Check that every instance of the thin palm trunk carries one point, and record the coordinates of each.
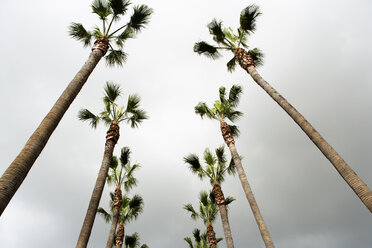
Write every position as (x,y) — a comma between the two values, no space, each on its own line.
(220,200)
(111,139)
(17,171)
(115,218)
(351,178)
(229,140)
(120,235)
(211,236)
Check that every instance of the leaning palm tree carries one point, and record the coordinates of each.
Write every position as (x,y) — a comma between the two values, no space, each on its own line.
(120,174)
(215,169)
(200,239)
(249,60)
(130,209)
(133,241)
(112,116)
(207,213)
(224,108)
(109,12)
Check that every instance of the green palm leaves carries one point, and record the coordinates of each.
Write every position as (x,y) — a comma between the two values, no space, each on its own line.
(111,11)
(207,208)
(112,112)
(215,167)
(226,39)
(200,240)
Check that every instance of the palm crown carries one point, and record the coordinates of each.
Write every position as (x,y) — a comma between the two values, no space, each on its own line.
(215,165)
(113,113)
(226,39)
(224,107)
(200,239)
(110,11)
(122,173)
(133,241)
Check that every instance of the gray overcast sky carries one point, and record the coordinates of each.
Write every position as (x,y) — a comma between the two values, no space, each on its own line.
(318,56)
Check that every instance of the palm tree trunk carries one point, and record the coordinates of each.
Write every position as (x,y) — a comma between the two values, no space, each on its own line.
(351,178)
(229,140)
(115,218)
(220,200)
(17,171)
(120,235)
(211,236)
(111,139)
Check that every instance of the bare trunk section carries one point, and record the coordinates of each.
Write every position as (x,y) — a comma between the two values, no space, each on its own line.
(229,140)
(120,235)
(211,236)
(115,218)
(351,178)
(17,171)
(111,139)
(220,200)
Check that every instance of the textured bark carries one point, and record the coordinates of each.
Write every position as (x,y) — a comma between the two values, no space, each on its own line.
(211,236)
(115,218)
(99,186)
(120,235)
(351,178)
(220,200)
(17,171)
(226,133)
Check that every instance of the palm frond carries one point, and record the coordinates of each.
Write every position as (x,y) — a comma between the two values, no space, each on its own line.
(125,155)
(106,216)
(210,51)
(144,246)
(140,17)
(130,183)
(189,242)
(222,91)
(137,117)
(233,115)
(203,110)
(234,95)
(133,103)
(131,241)
(97,32)
(101,8)
(229,200)
(112,93)
(190,209)
(231,65)
(194,164)
(128,33)
(234,130)
(215,29)
(209,158)
(219,239)
(231,169)
(220,152)
(78,32)
(257,56)
(119,7)
(86,115)
(248,18)
(116,57)
(196,234)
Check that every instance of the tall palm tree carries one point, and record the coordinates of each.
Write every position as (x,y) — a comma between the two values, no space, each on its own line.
(105,38)
(207,213)
(200,239)
(120,174)
(224,108)
(215,169)
(133,241)
(130,209)
(249,60)
(112,115)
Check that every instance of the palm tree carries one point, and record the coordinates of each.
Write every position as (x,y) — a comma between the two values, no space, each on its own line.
(112,115)
(225,108)
(120,175)
(207,213)
(105,38)
(132,241)
(200,239)
(215,169)
(249,60)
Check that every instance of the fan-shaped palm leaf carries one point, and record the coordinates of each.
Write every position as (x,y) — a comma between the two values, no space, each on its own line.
(78,32)
(140,17)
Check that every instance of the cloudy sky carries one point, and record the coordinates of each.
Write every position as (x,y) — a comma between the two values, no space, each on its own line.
(318,56)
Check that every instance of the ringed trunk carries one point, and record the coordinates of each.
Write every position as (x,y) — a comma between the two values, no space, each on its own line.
(211,236)
(17,171)
(229,140)
(115,218)
(111,139)
(348,174)
(220,200)
(120,235)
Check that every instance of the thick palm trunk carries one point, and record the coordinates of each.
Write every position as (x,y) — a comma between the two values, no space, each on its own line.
(120,235)
(17,171)
(229,140)
(115,218)
(111,139)
(220,200)
(211,236)
(359,187)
